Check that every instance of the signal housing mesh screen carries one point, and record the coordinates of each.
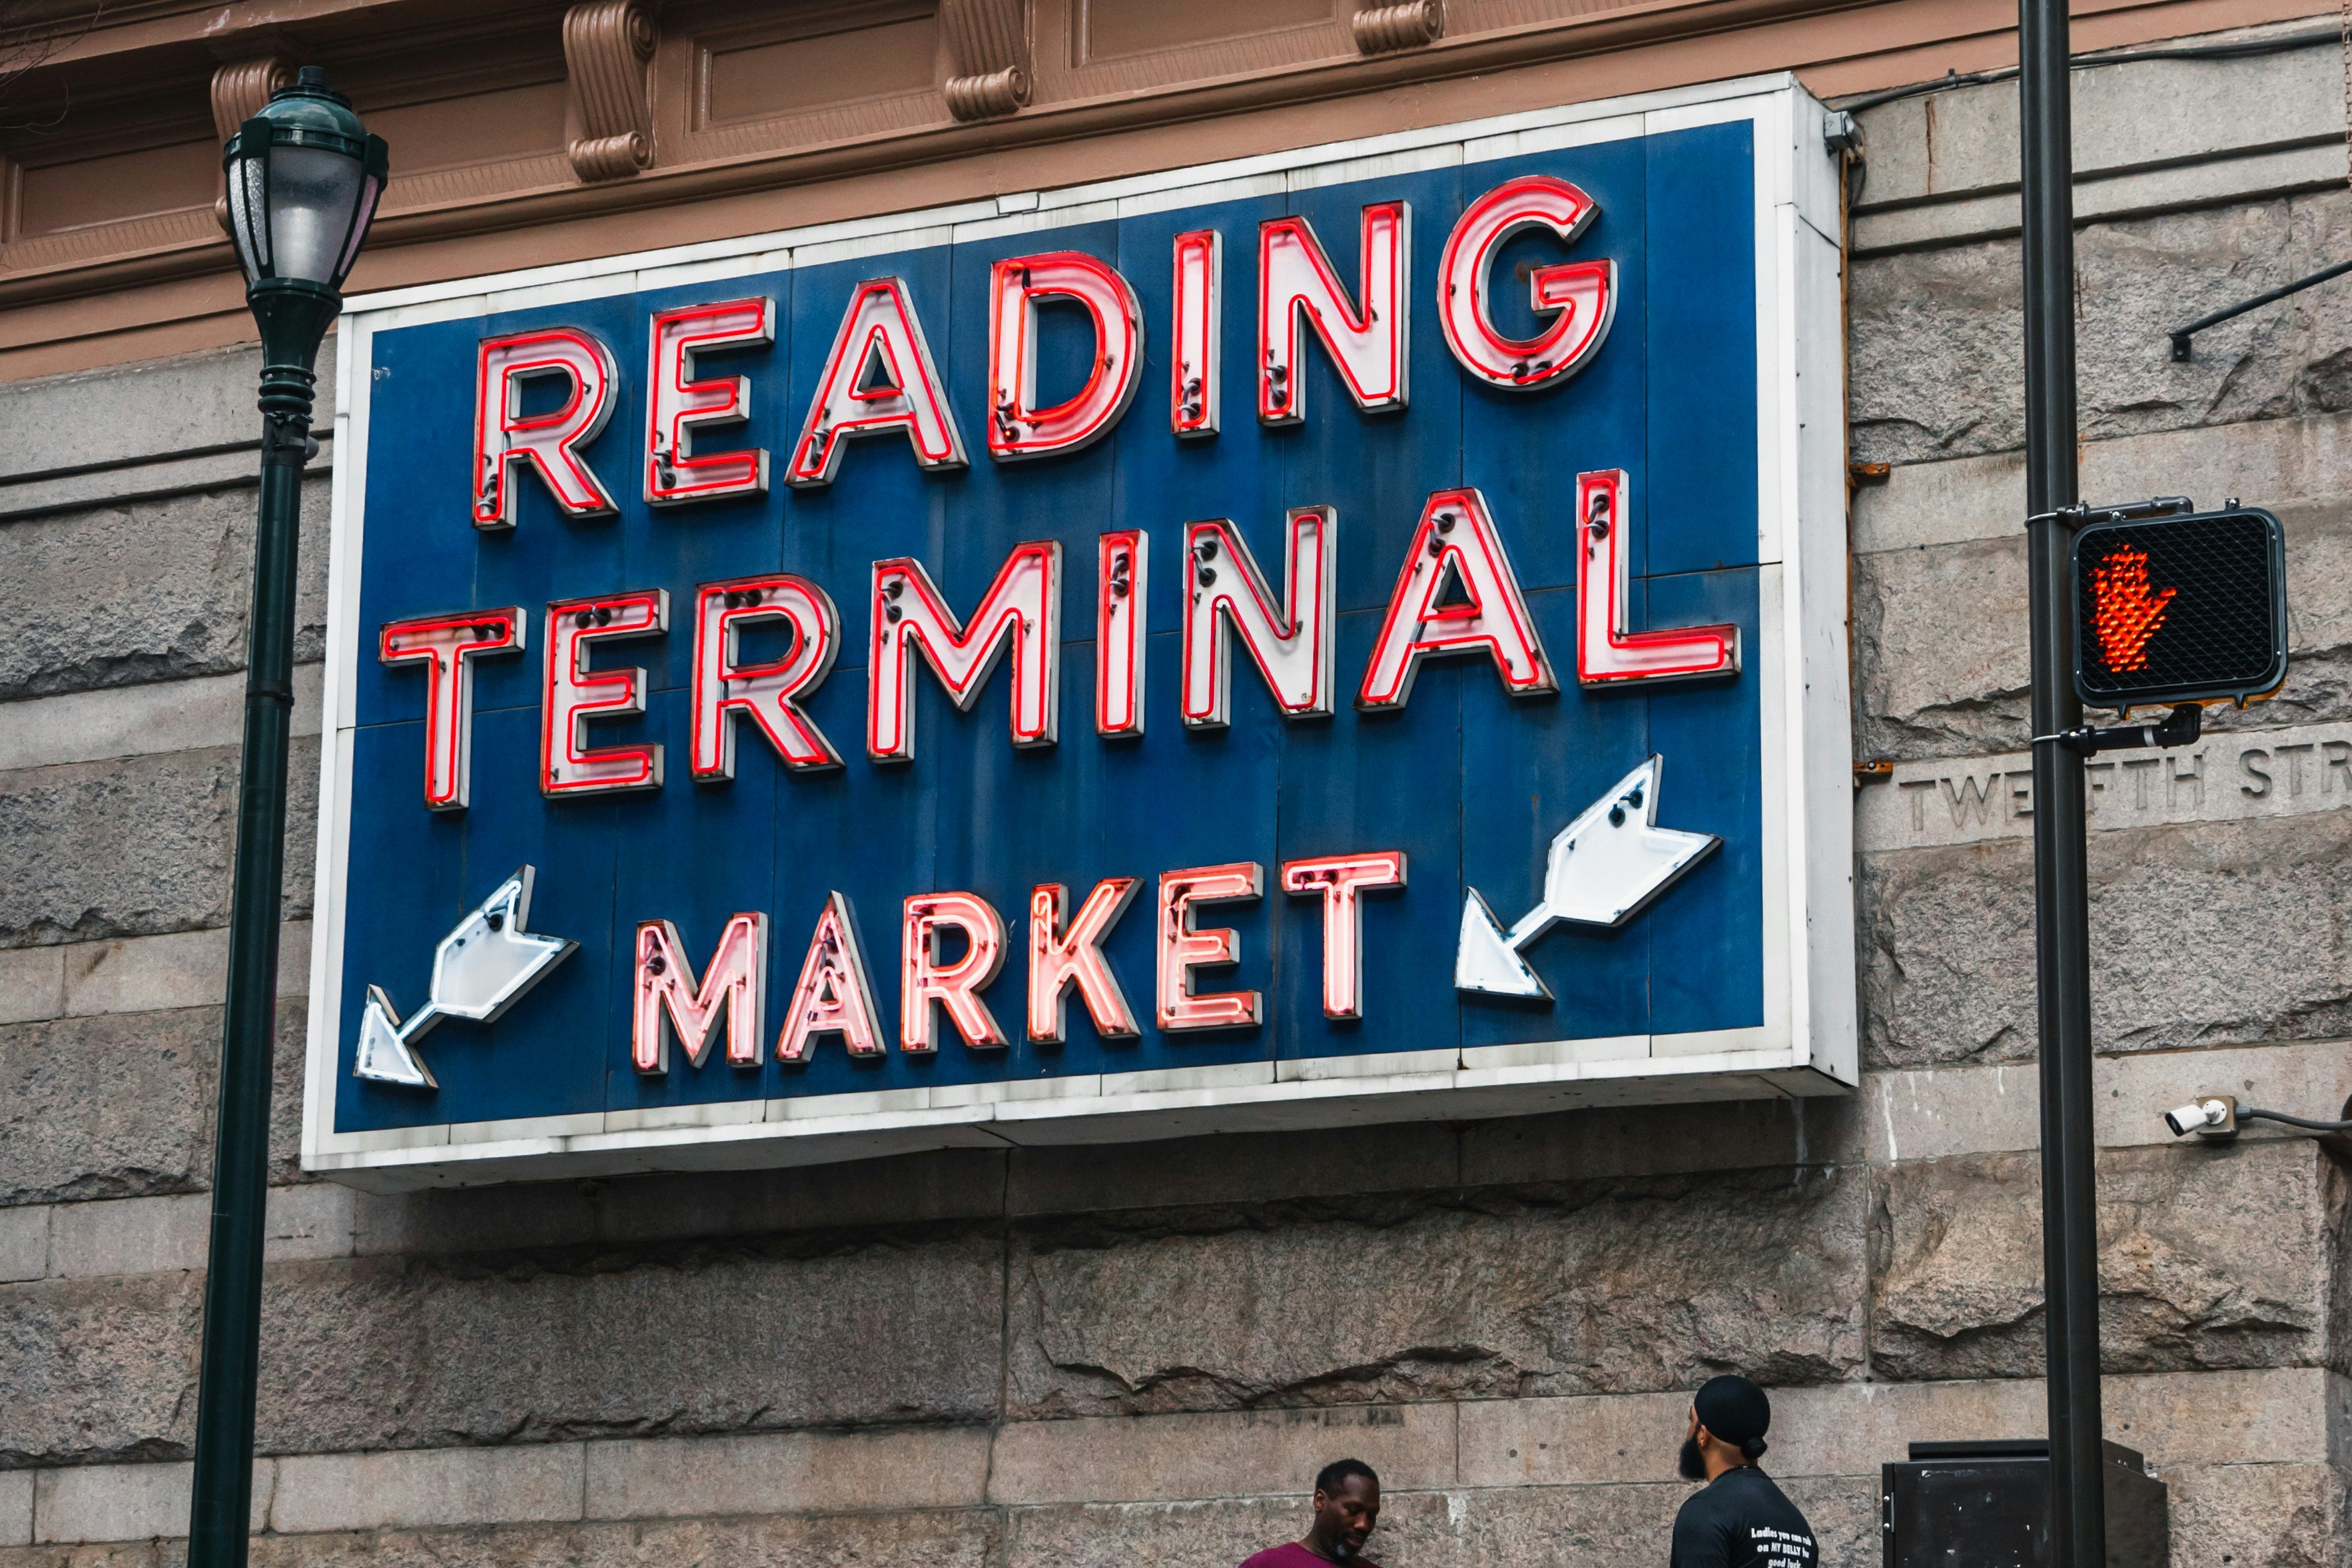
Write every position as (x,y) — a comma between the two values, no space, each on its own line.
(2173,608)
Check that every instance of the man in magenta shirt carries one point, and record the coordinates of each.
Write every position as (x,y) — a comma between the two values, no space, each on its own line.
(1346,1507)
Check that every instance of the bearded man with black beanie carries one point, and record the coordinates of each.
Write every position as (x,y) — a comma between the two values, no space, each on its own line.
(1741,1520)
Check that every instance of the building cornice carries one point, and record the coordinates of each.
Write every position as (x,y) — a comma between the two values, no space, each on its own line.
(628,149)
(1631,26)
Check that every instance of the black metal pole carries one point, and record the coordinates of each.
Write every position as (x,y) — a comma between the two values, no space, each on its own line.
(2069,1241)
(222,1497)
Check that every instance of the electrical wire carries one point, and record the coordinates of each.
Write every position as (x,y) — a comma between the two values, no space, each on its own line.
(2344,26)
(2117,56)
(2246,1113)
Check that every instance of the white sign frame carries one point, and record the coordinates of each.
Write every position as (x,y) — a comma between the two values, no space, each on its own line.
(1808,1044)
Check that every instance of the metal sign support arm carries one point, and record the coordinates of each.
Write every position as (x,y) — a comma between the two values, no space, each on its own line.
(2182,336)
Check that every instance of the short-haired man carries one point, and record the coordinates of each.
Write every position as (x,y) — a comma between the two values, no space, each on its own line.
(1346,1507)
(1741,1520)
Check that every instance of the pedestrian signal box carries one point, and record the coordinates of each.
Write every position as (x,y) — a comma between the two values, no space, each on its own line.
(2179,610)
(1987,1505)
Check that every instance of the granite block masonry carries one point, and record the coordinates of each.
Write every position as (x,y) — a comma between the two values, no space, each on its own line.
(1072,1357)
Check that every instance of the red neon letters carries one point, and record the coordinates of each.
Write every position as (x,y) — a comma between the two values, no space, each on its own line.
(925,976)
(878,378)
(574,695)
(1291,647)
(1017,427)
(1456,543)
(1581,296)
(835,995)
(666,999)
(1022,609)
(1457,593)
(766,694)
(676,404)
(1608,652)
(1183,947)
(447,645)
(1340,880)
(1368,344)
(1061,957)
(1123,574)
(547,443)
(1193,370)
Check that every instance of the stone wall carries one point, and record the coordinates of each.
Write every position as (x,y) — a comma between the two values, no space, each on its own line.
(1067,1359)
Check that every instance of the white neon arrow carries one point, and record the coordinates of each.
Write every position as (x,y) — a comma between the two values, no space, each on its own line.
(1603,869)
(479,970)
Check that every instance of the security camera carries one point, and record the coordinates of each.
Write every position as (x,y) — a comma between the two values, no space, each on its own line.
(2209,1116)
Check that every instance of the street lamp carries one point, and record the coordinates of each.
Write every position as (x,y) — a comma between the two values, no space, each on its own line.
(304,177)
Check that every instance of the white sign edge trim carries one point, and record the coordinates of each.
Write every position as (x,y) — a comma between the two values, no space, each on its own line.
(849,238)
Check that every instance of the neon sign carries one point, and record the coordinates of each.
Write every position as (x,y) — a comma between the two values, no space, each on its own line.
(1198,752)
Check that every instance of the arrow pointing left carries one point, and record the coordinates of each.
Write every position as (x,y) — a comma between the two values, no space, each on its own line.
(1603,869)
(479,970)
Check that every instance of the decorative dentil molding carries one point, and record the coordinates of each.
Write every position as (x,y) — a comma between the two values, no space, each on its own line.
(606,44)
(989,41)
(1382,28)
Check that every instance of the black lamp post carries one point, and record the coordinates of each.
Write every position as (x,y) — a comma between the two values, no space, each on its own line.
(304,177)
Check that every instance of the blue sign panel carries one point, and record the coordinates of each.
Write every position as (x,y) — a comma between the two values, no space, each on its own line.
(1347,635)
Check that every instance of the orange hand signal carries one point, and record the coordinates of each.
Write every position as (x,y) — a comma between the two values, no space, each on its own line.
(2125,614)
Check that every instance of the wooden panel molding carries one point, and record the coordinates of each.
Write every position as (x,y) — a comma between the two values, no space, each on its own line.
(805,63)
(140,178)
(745,79)
(606,44)
(1106,30)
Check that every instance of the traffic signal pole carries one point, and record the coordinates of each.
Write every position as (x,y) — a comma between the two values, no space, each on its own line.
(2070,1240)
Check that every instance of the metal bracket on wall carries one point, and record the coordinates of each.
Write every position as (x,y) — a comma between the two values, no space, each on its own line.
(2180,335)
(2082,512)
(2182,727)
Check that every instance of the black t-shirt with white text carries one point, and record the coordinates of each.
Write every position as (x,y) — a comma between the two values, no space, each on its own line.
(1741,1520)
